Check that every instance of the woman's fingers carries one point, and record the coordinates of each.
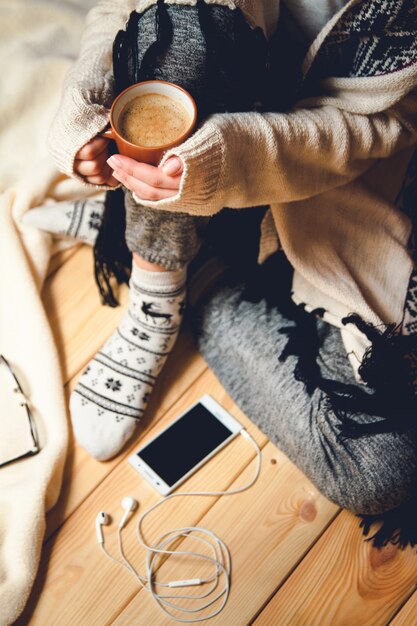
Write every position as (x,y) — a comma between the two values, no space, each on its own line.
(112,182)
(102,175)
(102,180)
(96,172)
(142,189)
(91,163)
(93,167)
(173,166)
(92,149)
(150,175)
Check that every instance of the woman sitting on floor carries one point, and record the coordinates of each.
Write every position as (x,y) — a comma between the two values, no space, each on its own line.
(312,327)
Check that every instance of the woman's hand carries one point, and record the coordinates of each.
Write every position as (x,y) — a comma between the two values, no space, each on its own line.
(147,181)
(91,163)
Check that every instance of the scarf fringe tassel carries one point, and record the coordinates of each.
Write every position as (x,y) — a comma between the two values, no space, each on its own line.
(397,527)
(112,257)
(388,367)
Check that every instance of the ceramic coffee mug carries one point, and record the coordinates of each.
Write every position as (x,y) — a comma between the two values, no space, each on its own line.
(149,154)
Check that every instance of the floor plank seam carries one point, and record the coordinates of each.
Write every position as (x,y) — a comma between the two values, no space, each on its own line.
(75,250)
(294,567)
(402,606)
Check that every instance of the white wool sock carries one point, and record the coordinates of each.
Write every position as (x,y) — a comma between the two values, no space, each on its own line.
(112,393)
(78,219)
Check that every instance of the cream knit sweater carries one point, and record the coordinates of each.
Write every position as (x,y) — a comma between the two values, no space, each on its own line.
(322,167)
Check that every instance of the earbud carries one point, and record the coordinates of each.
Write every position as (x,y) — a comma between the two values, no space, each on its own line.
(129,504)
(102,518)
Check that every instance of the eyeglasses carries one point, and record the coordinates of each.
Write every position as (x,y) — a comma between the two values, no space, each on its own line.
(20,437)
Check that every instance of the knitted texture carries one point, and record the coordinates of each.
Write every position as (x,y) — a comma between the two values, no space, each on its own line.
(378,38)
(113,391)
(88,87)
(368,475)
(308,163)
(37,44)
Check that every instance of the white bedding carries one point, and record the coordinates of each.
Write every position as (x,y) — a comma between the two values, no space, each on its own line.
(39,39)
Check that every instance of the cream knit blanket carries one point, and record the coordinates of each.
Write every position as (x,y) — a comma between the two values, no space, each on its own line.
(38,43)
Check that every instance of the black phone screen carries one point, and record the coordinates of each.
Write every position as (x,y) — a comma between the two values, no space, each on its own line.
(184,444)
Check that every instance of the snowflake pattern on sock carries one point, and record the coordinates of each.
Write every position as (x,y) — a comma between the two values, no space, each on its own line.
(115,387)
(77,219)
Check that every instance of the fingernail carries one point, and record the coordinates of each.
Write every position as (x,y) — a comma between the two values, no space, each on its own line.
(172,166)
(114,161)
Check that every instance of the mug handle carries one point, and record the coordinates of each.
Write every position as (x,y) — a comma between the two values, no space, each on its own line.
(108,134)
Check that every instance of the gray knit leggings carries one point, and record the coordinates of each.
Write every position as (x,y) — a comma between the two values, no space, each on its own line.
(159,236)
(241,340)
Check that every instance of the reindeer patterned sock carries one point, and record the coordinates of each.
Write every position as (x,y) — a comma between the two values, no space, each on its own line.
(75,219)
(111,395)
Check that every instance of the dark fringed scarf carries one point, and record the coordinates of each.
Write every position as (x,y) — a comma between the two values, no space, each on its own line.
(236,63)
(112,257)
(389,368)
(126,55)
(398,526)
(236,76)
(148,67)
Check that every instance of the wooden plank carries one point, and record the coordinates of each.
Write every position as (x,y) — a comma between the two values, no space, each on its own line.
(407,616)
(76,584)
(82,473)
(59,258)
(268,529)
(79,322)
(344,580)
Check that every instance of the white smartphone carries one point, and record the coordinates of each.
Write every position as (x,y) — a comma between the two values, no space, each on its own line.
(185,445)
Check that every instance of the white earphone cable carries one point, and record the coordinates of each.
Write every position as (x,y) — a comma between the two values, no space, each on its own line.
(220,558)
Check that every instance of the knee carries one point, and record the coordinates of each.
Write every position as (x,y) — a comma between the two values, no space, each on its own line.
(172,47)
(378,494)
(380,479)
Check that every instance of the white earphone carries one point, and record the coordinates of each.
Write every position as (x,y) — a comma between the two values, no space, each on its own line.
(129,504)
(219,556)
(102,518)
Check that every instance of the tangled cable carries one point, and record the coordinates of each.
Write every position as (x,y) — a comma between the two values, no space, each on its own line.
(219,559)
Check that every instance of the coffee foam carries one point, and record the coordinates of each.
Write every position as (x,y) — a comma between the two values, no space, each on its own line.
(153,120)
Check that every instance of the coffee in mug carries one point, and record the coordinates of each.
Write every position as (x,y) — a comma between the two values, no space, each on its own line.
(156,114)
(153,119)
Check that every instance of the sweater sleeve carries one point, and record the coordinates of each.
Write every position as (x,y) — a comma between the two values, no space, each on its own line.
(88,89)
(251,159)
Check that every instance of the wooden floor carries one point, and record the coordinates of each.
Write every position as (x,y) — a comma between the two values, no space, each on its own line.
(296,558)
